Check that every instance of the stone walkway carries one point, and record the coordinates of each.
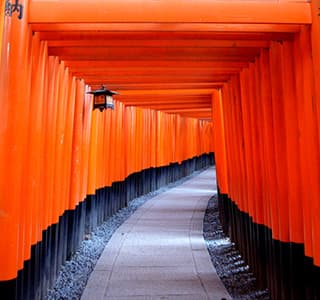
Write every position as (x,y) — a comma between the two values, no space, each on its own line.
(159,252)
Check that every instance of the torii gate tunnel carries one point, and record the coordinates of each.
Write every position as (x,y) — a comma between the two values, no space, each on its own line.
(237,78)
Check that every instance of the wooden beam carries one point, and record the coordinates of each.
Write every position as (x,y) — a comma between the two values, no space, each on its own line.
(163,97)
(193,110)
(164,92)
(169,78)
(170,106)
(156,72)
(173,11)
(196,43)
(169,99)
(100,35)
(156,53)
(163,27)
(112,64)
(197,115)
(151,86)
(156,80)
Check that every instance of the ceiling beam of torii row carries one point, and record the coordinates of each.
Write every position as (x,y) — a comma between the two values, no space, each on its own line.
(169,11)
(164,54)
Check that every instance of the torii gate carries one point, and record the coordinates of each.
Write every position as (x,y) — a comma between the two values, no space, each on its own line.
(247,69)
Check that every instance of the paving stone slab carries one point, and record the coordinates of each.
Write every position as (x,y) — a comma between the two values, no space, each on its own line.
(153,287)
(160,273)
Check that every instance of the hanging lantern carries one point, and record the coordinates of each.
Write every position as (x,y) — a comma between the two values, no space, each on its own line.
(102,98)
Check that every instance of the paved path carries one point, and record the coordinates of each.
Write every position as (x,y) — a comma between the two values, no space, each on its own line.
(159,252)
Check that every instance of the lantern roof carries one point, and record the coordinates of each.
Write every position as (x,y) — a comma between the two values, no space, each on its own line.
(103,91)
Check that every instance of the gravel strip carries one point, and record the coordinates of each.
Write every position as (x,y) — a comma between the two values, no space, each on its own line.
(75,273)
(232,270)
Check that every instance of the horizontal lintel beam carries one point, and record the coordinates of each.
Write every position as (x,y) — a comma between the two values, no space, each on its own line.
(193,110)
(169,92)
(152,72)
(212,28)
(173,11)
(266,33)
(94,53)
(169,106)
(196,43)
(152,86)
(91,64)
(164,80)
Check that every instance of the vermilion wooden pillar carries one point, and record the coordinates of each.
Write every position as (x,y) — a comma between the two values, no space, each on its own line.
(315,50)
(291,119)
(247,133)
(271,218)
(13,138)
(257,126)
(308,136)
(231,139)
(219,141)
(257,159)
(311,147)
(280,142)
(228,138)
(75,189)
(315,42)
(242,161)
(34,181)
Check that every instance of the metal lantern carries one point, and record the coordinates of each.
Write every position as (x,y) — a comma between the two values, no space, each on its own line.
(102,98)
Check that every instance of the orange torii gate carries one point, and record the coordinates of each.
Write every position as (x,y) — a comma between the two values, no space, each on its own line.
(250,67)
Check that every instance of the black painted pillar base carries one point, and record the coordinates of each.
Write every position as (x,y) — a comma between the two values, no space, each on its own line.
(60,241)
(281,267)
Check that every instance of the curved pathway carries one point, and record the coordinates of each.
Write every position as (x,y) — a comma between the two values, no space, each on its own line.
(159,252)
